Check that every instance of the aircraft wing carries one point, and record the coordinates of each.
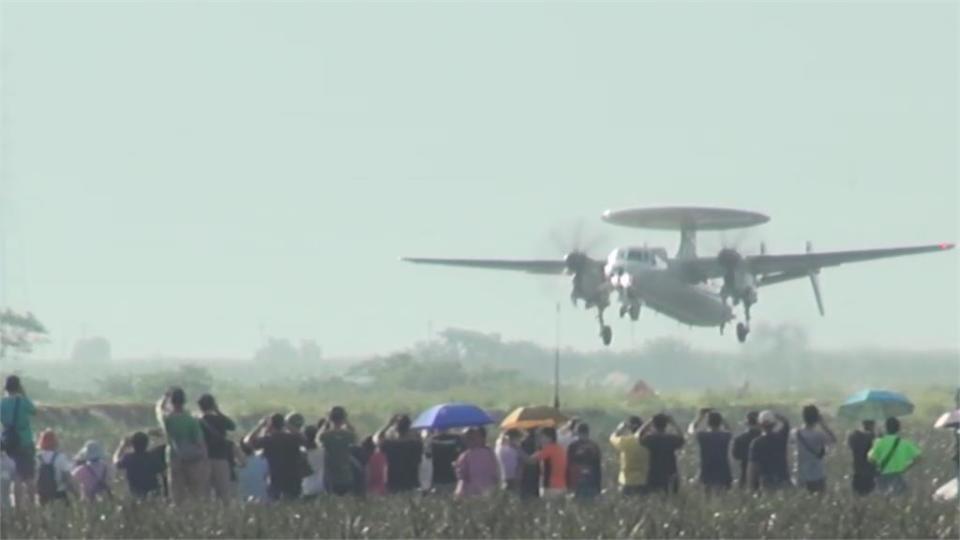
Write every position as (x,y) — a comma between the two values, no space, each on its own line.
(531,266)
(800,264)
(811,262)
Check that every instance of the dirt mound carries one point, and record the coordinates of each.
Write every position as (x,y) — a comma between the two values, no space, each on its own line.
(126,414)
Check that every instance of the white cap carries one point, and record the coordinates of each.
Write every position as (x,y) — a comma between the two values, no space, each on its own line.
(767,417)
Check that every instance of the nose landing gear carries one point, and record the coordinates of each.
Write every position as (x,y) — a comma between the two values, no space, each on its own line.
(632,308)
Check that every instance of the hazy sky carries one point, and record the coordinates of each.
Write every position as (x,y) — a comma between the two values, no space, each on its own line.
(182,177)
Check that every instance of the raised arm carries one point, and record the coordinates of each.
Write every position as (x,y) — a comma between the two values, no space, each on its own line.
(381,434)
(645,428)
(673,422)
(829,432)
(121,450)
(250,439)
(695,423)
(160,409)
(617,434)
(228,423)
(784,423)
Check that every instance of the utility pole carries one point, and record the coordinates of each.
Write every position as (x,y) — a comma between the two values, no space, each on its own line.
(556,363)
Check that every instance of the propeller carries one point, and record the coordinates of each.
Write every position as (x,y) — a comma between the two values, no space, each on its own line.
(572,239)
(730,260)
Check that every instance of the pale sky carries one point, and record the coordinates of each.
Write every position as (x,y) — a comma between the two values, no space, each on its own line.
(183,177)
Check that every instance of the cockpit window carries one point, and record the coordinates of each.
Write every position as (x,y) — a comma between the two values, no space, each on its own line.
(637,255)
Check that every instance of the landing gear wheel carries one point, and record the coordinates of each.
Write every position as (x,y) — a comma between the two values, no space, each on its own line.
(635,312)
(742,332)
(606,334)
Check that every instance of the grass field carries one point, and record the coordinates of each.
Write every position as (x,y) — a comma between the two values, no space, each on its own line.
(690,514)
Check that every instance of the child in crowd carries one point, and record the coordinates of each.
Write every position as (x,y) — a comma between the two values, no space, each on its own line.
(92,473)
(53,469)
(376,468)
(252,476)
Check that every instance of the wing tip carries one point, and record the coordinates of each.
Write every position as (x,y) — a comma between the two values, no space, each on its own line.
(946,245)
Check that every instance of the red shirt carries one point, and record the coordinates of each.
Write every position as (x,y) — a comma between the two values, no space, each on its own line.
(377,474)
(553,464)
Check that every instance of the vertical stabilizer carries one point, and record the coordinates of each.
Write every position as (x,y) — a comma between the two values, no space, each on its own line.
(688,243)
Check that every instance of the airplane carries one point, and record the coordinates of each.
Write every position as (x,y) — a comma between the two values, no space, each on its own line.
(681,287)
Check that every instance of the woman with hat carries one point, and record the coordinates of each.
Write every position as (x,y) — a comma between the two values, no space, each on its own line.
(91,472)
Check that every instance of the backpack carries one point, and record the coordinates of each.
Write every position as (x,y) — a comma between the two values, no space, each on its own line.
(101,486)
(803,442)
(47,485)
(10,438)
(189,451)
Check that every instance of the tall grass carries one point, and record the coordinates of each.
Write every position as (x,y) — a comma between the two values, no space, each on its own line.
(690,514)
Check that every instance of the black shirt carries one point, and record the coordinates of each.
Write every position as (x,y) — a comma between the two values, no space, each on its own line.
(783,441)
(860,443)
(741,451)
(215,428)
(403,463)
(663,458)
(583,465)
(529,472)
(767,452)
(444,450)
(281,449)
(143,471)
(714,465)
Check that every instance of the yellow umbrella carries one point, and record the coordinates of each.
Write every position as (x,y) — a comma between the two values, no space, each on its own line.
(533,417)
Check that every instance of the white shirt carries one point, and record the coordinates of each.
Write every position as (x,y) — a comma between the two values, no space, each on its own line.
(8,467)
(62,466)
(252,479)
(313,484)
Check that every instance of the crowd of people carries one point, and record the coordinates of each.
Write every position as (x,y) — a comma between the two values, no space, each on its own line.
(197,456)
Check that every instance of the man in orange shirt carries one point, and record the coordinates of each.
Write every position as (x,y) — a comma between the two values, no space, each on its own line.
(553,465)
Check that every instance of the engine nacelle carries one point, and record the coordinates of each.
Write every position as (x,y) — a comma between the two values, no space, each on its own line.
(589,282)
(738,283)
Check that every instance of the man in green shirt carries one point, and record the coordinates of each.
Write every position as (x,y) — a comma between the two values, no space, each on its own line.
(16,410)
(337,438)
(893,455)
(186,448)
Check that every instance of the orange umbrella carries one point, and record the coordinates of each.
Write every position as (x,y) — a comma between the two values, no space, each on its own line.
(533,417)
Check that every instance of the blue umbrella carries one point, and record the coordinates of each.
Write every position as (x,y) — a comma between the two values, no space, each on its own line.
(452,415)
(875,405)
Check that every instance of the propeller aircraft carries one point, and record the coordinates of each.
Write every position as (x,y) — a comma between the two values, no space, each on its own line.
(681,287)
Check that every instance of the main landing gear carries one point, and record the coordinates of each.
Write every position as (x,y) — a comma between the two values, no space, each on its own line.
(743,329)
(606,333)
